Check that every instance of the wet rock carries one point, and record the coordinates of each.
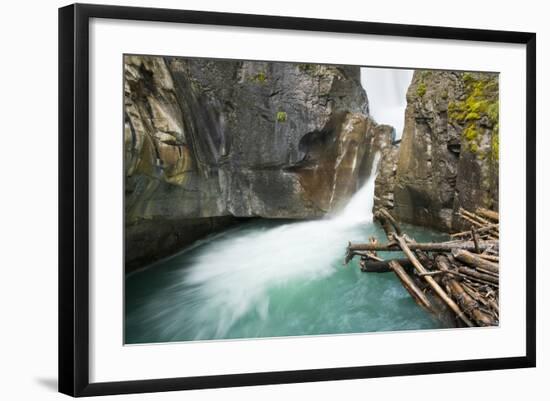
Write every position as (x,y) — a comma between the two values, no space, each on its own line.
(385,180)
(448,156)
(207,139)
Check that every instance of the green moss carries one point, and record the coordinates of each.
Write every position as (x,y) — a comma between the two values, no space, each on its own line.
(308,68)
(425,74)
(481,101)
(421,89)
(467,77)
(281,116)
(470,132)
(260,77)
(492,112)
(472,116)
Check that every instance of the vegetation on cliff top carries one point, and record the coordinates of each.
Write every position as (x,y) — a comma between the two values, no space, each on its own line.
(478,111)
(421,89)
(308,68)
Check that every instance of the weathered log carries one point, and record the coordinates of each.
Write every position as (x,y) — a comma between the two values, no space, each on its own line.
(490,258)
(423,258)
(379,265)
(495,275)
(349,254)
(384,266)
(478,297)
(468,304)
(415,292)
(489,304)
(368,255)
(475,274)
(439,307)
(426,246)
(391,219)
(470,279)
(470,220)
(475,294)
(477,221)
(474,260)
(372,254)
(430,280)
(480,230)
(388,228)
(489,214)
(435,273)
(474,216)
(491,232)
(491,251)
(475,239)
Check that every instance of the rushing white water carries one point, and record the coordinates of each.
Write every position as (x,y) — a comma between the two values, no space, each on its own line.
(231,281)
(263,279)
(268,279)
(387,89)
(359,208)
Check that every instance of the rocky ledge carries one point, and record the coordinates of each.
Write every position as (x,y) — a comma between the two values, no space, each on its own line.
(211,141)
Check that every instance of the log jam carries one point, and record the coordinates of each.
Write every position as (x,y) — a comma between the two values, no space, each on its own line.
(460,276)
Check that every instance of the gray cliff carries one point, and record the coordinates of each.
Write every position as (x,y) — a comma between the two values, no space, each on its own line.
(448,156)
(211,141)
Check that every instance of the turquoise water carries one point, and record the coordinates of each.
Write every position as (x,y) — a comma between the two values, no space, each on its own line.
(268,279)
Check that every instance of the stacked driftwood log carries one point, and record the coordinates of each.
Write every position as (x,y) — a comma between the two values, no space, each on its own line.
(456,280)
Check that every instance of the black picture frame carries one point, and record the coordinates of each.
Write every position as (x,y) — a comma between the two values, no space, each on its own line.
(74,198)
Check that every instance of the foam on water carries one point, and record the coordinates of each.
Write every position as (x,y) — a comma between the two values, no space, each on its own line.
(249,281)
(236,274)
(268,279)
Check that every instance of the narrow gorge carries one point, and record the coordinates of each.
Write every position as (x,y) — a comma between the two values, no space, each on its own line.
(245,181)
(210,142)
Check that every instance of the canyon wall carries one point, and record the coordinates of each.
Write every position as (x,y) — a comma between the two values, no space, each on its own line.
(448,156)
(211,141)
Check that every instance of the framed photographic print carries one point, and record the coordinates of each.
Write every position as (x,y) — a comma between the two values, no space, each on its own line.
(249,199)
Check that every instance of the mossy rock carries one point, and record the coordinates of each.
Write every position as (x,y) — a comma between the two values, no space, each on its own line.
(421,89)
(425,74)
(470,133)
(309,68)
(281,116)
(260,77)
(481,101)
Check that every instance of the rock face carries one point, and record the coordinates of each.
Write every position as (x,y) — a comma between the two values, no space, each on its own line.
(209,141)
(448,156)
(385,179)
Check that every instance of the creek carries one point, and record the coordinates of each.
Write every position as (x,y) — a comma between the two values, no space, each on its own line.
(269,278)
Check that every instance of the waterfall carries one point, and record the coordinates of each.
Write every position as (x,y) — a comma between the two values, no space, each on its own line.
(235,275)
(268,278)
(387,89)
(359,207)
